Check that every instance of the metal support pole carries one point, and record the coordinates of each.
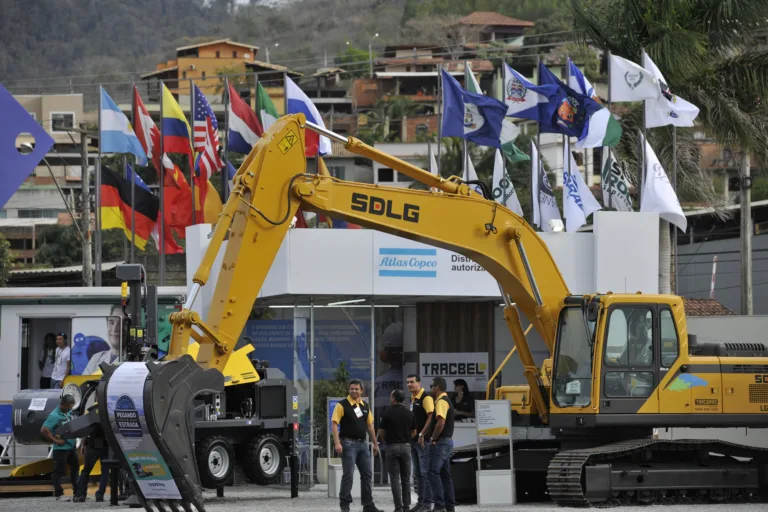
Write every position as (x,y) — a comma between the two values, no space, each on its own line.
(98,200)
(439,120)
(746,235)
(133,209)
(672,227)
(192,169)
(641,168)
(133,188)
(225,171)
(85,218)
(311,391)
(161,228)
(609,175)
(371,391)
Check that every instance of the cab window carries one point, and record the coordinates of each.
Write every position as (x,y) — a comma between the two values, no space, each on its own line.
(670,343)
(629,341)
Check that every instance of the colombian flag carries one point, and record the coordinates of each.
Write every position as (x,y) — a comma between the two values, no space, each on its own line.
(175,129)
(116,207)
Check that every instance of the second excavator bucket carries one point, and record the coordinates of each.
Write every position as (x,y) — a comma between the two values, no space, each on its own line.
(144,410)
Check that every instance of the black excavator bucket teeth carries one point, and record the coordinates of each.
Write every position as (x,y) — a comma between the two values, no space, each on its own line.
(158,434)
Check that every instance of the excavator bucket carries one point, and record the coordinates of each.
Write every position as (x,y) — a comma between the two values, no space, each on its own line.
(144,409)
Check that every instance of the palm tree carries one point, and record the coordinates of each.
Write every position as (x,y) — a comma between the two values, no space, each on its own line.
(705,50)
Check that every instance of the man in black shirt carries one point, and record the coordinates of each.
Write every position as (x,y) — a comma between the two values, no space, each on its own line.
(398,427)
(94,448)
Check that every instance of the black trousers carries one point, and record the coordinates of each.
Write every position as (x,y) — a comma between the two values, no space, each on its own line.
(45,383)
(62,459)
(92,455)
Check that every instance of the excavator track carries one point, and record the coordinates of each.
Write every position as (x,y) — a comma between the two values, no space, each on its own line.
(648,471)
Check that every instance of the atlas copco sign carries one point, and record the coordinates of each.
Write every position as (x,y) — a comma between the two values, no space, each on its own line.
(407,262)
(470,366)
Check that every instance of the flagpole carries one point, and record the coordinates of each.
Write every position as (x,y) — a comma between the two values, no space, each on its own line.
(641,170)
(192,169)
(672,227)
(133,185)
(608,160)
(161,220)
(225,171)
(464,146)
(125,239)
(439,122)
(567,138)
(98,198)
(538,148)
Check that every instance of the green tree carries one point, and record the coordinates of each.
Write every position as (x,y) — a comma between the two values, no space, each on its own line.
(6,260)
(59,246)
(354,61)
(707,53)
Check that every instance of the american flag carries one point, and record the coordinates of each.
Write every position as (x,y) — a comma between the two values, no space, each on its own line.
(206,136)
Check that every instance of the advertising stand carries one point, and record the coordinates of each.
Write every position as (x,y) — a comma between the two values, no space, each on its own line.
(494,421)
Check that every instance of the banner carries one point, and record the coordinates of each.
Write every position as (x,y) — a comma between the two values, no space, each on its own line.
(470,366)
(493,419)
(614,183)
(95,340)
(125,407)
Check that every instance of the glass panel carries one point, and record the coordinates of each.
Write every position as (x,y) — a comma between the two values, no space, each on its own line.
(573,369)
(388,326)
(629,384)
(669,341)
(629,338)
(61,122)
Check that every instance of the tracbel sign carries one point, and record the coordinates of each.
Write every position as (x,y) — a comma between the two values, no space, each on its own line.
(470,366)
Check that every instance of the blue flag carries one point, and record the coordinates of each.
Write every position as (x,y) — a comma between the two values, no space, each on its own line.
(117,135)
(231,171)
(15,166)
(131,175)
(573,109)
(527,101)
(471,116)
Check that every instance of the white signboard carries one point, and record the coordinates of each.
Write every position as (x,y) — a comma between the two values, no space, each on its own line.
(125,405)
(493,419)
(470,366)
(403,267)
(37,404)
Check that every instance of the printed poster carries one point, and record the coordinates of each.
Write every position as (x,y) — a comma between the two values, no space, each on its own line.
(125,406)
(95,340)
(493,418)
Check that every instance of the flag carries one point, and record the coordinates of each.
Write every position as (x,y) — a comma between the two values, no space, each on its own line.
(15,166)
(527,101)
(244,126)
(131,175)
(615,184)
(177,202)
(579,83)
(298,102)
(206,136)
(231,171)
(509,132)
(471,175)
(503,189)
(147,132)
(544,204)
(266,109)
(578,201)
(432,161)
(208,204)
(470,116)
(658,194)
(580,116)
(630,82)
(116,207)
(116,132)
(170,207)
(176,131)
(470,82)
(667,109)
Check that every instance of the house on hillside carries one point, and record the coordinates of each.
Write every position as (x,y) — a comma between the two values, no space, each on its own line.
(488,27)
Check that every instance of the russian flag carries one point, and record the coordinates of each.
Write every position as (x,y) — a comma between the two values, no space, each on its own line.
(299,103)
(244,127)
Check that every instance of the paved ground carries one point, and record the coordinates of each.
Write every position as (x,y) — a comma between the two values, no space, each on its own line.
(259,499)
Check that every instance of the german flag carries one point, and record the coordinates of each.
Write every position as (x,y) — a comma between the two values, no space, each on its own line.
(116,207)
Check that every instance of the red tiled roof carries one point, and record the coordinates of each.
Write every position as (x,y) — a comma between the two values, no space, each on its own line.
(450,65)
(493,18)
(705,307)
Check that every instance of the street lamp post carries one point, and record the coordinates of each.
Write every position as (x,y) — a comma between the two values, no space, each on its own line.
(370,54)
(267,49)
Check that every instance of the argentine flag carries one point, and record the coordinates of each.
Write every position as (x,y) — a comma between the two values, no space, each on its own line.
(116,133)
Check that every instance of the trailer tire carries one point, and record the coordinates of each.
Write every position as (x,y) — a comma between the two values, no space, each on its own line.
(215,461)
(264,459)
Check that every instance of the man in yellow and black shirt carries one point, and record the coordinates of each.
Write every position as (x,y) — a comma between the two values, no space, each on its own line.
(441,440)
(423,407)
(352,419)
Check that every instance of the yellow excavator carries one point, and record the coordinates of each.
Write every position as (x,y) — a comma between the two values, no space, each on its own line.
(619,366)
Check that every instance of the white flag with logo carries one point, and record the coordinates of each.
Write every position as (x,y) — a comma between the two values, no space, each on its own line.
(578,201)
(667,109)
(615,184)
(432,165)
(630,82)
(471,175)
(503,189)
(658,194)
(544,204)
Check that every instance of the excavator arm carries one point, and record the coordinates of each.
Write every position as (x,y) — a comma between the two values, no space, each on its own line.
(272,184)
(268,189)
